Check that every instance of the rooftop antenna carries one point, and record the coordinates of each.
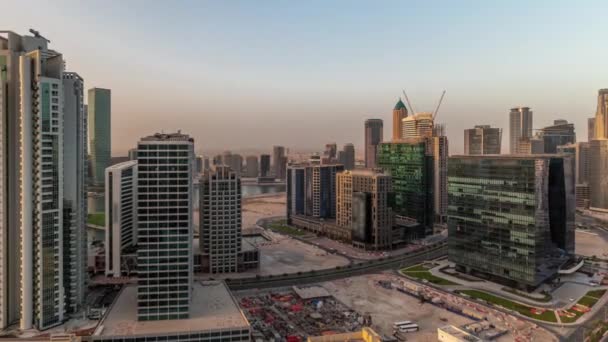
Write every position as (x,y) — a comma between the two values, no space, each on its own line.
(438,105)
(38,35)
(409,103)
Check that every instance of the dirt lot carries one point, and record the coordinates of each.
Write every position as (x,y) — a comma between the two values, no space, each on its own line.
(388,306)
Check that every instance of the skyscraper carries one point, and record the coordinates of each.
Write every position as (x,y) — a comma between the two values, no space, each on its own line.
(164,255)
(100,132)
(399,113)
(598,173)
(511,216)
(560,133)
(41,217)
(331,152)
(264,165)
(520,126)
(362,206)
(374,132)
(220,220)
(601,115)
(75,191)
(121,213)
(279,161)
(590,129)
(318,195)
(534,145)
(253,168)
(410,164)
(348,159)
(440,151)
(482,139)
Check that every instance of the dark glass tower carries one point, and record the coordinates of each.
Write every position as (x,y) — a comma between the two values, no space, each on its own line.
(511,217)
(411,168)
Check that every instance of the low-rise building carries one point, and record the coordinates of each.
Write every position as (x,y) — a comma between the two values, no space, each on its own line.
(214,316)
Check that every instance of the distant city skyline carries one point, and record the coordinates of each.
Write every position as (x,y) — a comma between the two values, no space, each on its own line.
(293,78)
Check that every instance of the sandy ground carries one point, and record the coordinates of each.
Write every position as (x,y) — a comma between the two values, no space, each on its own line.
(255,208)
(592,242)
(389,306)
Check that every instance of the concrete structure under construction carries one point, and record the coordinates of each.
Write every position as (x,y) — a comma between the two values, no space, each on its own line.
(419,125)
(120,213)
(511,217)
(215,316)
(362,205)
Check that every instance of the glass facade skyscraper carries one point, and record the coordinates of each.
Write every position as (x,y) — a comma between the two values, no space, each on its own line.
(164,221)
(100,133)
(410,164)
(511,217)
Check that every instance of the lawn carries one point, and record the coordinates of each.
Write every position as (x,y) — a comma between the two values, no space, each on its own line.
(546,297)
(282,227)
(548,315)
(422,273)
(98,219)
(587,300)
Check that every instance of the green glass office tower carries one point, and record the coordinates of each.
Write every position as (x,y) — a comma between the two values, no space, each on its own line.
(511,217)
(411,168)
(100,133)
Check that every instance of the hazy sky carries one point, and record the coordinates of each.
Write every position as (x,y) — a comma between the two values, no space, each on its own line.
(252,74)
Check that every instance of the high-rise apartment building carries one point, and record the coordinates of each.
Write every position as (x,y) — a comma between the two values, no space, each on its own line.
(419,125)
(331,152)
(560,133)
(374,132)
(362,206)
(264,165)
(164,226)
(279,160)
(399,113)
(590,129)
(535,145)
(511,216)
(100,132)
(220,220)
(440,151)
(199,165)
(318,195)
(253,168)
(237,164)
(348,157)
(132,154)
(482,139)
(121,214)
(42,120)
(75,191)
(601,115)
(520,126)
(410,164)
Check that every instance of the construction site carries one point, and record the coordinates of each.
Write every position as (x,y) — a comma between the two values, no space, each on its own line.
(294,314)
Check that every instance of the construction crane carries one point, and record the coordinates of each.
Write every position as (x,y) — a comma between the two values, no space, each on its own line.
(438,105)
(409,103)
(38,35)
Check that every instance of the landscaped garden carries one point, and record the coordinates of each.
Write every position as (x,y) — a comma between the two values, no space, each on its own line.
(536,313)
(422,272)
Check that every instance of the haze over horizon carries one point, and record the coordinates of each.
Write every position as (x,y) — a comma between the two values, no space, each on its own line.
(238,75)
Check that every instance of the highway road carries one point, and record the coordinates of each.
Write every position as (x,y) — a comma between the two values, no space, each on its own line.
(415,257)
